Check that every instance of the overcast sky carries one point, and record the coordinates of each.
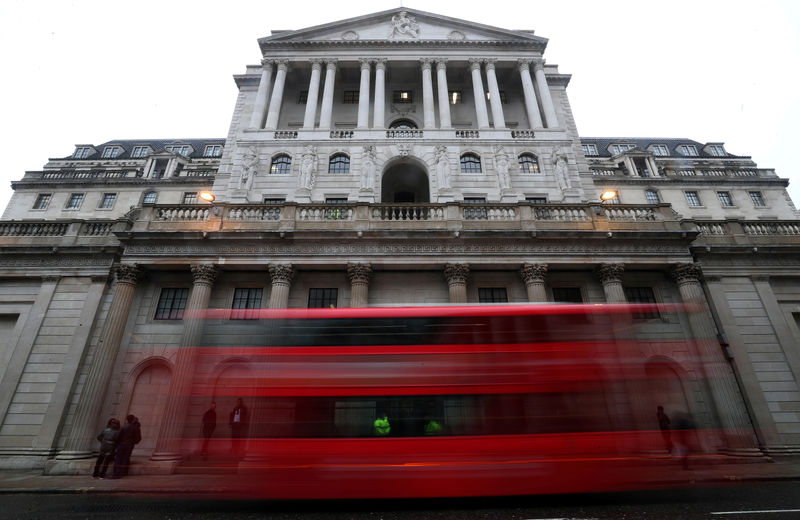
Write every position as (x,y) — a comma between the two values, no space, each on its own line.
(91,71)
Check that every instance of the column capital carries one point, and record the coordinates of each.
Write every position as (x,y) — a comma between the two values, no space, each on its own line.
(281,273)
(316,63)
(426,63)
(538,64)
(475,63)
(380,63)
(267,63)
(128,273)
(489,62)
(204,274)
(533,273)
(524,64)
(441,63)
(456,273)
(687,273)
(330,63)
(359,273)
(366,63)
(610,273)
(282,64)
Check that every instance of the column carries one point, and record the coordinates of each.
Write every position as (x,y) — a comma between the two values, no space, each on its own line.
(494,96)
(378,107)
(730,407)
(260,106)
(456,275)
(277,96)
(531,107)
(533,275)
(544,94)
(479,94)
(327,96)
(281,276)
(444,98)
(653,166)
(611,277)
(81,440)
(427,94)
(313,95)
(359,275)
(363,95)
(180,385)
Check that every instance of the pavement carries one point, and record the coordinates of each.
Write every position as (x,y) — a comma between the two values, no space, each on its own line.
(667,472)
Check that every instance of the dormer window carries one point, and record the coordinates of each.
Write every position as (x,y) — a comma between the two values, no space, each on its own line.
(617,149)
(589,149)
(660,150)
(82,152)
(213,150)
(688,150)
(182,149)
(717,150)
(139,152)
(109,152)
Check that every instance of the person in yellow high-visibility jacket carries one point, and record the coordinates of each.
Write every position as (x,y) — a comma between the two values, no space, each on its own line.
(382,427)
(433,428)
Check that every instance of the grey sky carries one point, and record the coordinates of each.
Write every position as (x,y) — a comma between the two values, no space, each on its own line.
(91,71)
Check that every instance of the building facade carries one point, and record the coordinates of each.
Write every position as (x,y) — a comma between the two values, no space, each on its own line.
(400,157)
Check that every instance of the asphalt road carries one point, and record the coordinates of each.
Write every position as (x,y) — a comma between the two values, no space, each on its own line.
(762,501)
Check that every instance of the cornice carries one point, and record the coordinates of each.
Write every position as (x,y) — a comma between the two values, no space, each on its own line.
(99,183)
(693,181)
(403,43)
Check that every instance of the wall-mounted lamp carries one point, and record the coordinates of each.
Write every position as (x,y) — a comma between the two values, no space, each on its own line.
(606,195)
(207,196)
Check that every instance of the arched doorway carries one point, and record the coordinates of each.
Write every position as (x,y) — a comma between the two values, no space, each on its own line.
(405,182)
(666,389)
(148,403)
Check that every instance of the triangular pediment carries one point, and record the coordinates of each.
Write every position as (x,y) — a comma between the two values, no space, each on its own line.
(403,25)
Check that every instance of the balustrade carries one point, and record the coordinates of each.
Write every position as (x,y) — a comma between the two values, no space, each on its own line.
(407,213)
(33,229)
(771,228)
(468,134)
(629,214)
(285,134)
(182,213)
(403,133)
(341,134)
(254,213)
(712,228)
(561,213)
(96,229)
(522,134)
(324,213)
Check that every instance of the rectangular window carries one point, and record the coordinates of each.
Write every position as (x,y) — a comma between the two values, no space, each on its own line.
(617,149)
(274,200)
(536,200)
(190,198)
(181,149)
(322,298)
(757,198)
(171,304)
(350,97)
(455,97)
(660,149)
(139,151)
(213,150)
(589,149)
(567,294)
(641,295)
(652,196)
(492,295)
(717,150)
(503,98)
(725,199)
(42,200)
(402,96)
(688,150)
(109,152)
(150,197)
(75,201)
(107,201)
(302,98)
(692,198)
(244,299)
(82,152)
(474,200)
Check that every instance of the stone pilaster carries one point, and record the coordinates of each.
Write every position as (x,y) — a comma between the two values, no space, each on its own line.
(611,277)
(456,275)
(534,275)
(359,275)
(276,100)
(281,276)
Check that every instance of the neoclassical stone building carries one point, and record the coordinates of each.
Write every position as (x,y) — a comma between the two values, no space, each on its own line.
(400,157)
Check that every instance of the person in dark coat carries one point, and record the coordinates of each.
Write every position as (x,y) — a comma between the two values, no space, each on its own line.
(129,436)
(108,445)
(238,421)
(209,425)
(664,425)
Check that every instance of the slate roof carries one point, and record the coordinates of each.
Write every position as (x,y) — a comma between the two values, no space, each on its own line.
(602,144)
(156,145)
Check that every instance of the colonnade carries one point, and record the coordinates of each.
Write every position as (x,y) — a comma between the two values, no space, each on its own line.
(266,109)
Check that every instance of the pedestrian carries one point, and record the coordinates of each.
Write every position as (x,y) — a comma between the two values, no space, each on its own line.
(129,436)
(238,423)
(382,426)
(664,425)
(108,444)
(209,425)
(432,427)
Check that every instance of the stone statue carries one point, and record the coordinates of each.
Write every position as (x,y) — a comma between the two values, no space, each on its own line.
(501,164)
(442,168)
(368,169)
(559,159)
(404,26)
(307,164)
(249,163)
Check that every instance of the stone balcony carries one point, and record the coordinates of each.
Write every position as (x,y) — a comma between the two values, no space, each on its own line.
(60,233)
(384,135)
(735,232)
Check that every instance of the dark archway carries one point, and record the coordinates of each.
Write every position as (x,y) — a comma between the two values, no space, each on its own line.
(405,182)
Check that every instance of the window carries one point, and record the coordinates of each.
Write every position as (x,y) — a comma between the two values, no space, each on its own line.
(336,200)
(107,200)
(717,150)
(190,198)
(109,152)
(692,198)
(474,200)
(688,150)
(181,149)
(725,198)
(82,152)
(42,200)
(660,149)
(492,295)
(567,294)
(528,163)
(757,198)
(455,96)
(617,149)
(652,196)
(212,150)
(403,124)
(641,295)
(402,96)
(322,298)
(589,149)
(139,151)
(75,200)
(503,98)
(245,299)
(302,99)
(150,197)
(274,200)
(339,163)
(171,304)
(536,200)
(281,165)
(350,97)
(470,163)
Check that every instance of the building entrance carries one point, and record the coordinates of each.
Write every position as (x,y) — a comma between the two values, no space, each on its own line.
(405,182)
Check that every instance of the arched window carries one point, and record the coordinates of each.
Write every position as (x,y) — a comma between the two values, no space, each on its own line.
(281,165)
(528,163)
(149,197)
(339,163)
(470,163)
(403,124)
